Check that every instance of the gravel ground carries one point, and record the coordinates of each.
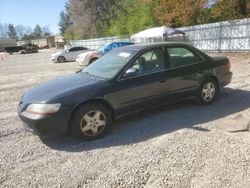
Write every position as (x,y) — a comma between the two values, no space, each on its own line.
(172,146)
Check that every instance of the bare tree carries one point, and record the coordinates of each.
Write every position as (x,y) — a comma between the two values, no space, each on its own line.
(91,16)
(12,32)
(20,31)
(46,31)
(3,30)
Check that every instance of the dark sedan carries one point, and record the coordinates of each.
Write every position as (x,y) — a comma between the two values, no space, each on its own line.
(126,80)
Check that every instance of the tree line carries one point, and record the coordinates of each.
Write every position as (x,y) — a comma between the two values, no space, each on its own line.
(97,18)
(20,32)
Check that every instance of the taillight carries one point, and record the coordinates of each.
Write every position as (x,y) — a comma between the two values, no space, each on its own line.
(228,65)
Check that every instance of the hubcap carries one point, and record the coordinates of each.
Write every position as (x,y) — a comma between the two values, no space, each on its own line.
(208,92)
(60,59)
(93,123)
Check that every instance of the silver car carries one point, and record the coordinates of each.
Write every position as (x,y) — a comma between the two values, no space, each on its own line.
(69,54)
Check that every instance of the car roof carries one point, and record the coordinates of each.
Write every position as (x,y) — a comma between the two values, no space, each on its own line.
(77,47)
(122,42)
(138,47)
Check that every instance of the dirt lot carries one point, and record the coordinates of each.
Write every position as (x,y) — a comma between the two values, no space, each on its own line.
(172,146)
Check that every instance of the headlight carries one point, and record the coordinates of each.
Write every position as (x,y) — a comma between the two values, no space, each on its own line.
(44,109)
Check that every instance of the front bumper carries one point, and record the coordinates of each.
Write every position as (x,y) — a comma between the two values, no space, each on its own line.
(53,59)
(82,62)
(45,125)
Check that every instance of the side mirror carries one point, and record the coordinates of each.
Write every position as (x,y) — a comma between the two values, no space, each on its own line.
(131,72)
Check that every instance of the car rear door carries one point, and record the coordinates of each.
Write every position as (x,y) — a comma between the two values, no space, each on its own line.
(147,87)
(73,53)
(186,69)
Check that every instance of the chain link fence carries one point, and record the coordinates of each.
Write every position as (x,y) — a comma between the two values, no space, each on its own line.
(228,36)
(98,42)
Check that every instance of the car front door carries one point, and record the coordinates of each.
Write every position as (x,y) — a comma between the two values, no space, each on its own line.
(143,84)
(79,51)
(71,54)
(186,69)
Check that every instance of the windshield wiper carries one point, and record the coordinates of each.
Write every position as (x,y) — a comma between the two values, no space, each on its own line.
(91,75)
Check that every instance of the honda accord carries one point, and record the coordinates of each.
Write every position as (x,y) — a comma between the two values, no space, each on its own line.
(126,80)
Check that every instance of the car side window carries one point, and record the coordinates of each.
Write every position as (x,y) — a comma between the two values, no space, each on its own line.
(82,48)
(149,62)
(179,56)
(78,49)
(73,49)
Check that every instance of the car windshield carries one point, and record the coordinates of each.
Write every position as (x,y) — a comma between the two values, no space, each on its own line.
(101,49)
(110,64)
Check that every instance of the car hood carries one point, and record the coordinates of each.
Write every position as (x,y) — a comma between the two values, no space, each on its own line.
(58,53)
(58,87)
(89,53)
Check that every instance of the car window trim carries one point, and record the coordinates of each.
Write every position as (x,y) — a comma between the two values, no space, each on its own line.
(186,65)
(164,69)
(166,63)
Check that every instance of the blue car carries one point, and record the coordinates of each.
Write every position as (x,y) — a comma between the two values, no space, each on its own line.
(87,58)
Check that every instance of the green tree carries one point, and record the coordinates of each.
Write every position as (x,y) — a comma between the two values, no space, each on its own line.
(132,17)
(230,10)
(12,32)
(37,32)
(70,34)
(64,22)
(181,13)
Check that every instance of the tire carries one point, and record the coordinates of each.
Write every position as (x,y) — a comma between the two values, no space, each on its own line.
(91,121)
(207,92)
(60,59)
(92,60)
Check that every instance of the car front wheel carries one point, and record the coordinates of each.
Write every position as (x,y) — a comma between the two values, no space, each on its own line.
(60,59)
(207,92)
(91,121)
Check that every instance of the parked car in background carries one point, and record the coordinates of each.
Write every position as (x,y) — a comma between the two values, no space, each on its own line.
(126,80)
(23,49)
(69,54)
(13,49)
(30,48)
(87,58)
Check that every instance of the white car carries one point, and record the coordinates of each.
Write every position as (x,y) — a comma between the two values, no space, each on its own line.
(87,58)
(69,54)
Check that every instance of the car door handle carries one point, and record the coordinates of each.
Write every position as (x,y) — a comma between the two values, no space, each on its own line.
(200,73)
(162,81)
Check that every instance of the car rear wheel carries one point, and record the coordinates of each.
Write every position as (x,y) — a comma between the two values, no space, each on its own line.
(90,121)
(208,92)
(60,59)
